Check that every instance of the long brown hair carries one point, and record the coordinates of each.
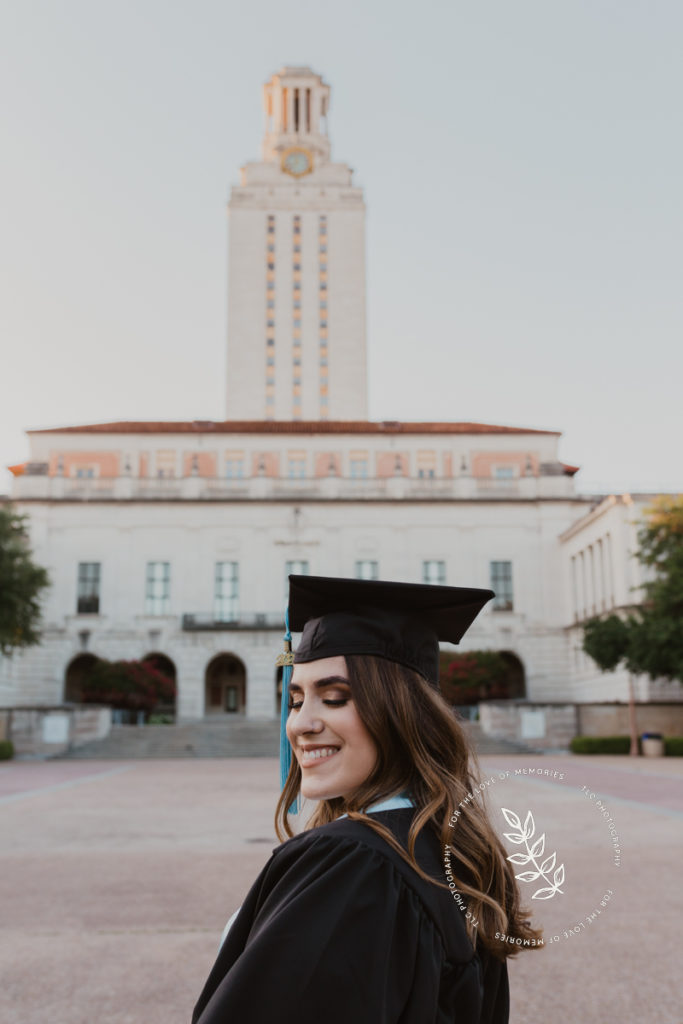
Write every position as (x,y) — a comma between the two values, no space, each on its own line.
(422,747)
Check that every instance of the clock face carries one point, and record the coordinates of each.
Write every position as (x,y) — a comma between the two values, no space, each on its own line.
(297,162)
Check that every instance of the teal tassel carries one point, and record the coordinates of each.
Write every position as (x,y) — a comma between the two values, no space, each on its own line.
(285,747)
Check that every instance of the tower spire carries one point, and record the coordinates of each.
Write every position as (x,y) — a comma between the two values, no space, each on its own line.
(296,102)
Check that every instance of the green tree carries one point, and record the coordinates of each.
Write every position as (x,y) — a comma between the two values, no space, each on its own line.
(650,638)
(21,584)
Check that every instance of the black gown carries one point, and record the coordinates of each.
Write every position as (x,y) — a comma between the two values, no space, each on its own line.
(337,928)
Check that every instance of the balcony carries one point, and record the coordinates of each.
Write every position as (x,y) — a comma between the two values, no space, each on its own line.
(196,622)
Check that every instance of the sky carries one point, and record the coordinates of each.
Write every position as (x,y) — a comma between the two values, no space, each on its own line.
(521,164)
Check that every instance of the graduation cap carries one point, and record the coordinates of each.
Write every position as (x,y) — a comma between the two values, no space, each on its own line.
(402,622)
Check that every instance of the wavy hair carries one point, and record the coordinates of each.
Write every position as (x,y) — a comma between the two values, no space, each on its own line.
(422,747)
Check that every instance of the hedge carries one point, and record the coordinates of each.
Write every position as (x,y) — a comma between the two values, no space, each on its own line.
(6,750)
(600,745)
(673,745)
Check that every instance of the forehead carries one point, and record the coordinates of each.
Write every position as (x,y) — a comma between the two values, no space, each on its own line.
(321,668)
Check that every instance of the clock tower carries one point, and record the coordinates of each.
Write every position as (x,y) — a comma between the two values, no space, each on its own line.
(296,287)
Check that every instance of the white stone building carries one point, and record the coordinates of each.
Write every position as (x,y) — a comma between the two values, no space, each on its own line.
(175,539)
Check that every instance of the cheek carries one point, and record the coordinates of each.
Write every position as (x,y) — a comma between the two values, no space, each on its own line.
(356,735)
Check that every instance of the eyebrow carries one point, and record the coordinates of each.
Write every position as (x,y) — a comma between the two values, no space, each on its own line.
(320,683)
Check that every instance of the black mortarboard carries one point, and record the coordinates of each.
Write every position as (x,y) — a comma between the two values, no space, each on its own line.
(402,622)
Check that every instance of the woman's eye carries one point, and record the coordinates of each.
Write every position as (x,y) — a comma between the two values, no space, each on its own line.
(295,705)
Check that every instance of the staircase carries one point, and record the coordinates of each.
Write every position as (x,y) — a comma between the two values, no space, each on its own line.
(484,744)
(234,736)
(224,737)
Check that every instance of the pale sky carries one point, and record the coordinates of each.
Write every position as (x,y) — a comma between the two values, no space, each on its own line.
(522,166)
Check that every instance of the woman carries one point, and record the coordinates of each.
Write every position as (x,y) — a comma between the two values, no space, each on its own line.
(380,911)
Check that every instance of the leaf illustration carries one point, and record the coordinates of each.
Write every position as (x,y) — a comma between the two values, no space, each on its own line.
(549,863)
(528,876)
(514,837)
(544,894)
(558,877)
(529,826)
(519,858)
(537,849)
(511,818)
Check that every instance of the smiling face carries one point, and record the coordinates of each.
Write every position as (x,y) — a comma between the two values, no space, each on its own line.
(332,745)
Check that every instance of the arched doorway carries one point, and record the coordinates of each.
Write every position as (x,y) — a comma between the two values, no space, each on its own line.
(225,685)
(469,677)
(76,673)
(162,663)
(515,677)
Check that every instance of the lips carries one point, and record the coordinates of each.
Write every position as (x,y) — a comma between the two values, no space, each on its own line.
(317,755)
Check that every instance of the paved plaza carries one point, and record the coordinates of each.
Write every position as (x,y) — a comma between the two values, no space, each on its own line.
(116,879)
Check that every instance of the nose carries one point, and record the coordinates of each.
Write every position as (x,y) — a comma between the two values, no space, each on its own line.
(303,721)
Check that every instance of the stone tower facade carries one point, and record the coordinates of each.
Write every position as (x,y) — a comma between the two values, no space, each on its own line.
(296,288)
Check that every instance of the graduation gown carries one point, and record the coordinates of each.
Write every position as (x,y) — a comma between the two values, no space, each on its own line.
(338,929)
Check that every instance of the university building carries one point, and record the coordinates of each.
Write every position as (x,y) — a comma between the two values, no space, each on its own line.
(175,539)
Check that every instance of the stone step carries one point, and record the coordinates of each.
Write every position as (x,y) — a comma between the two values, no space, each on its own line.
(234,737)
(485,745)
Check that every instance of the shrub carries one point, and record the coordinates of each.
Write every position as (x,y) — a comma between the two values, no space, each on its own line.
(673,746)
(128,685)
(600,745)
(6,750)
(472,676)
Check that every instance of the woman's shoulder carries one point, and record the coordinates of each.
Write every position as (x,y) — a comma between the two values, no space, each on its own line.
(366,856)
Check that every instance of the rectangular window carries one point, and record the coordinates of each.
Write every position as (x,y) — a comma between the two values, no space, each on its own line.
(504,472)
(501,584)
(434,571)
(294,569)
(226,592)
(166,463)
(358,468)
(88,588)
(367,570)
(234,468)
(158,588)
(296,468)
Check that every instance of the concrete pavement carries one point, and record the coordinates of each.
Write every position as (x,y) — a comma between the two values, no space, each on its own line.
(116,879)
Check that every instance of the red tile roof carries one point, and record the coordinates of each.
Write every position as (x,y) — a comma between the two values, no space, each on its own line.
(289,427)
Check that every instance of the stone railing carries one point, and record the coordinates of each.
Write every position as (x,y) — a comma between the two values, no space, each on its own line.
(48,731)
(333,488)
